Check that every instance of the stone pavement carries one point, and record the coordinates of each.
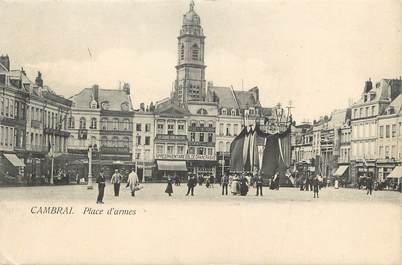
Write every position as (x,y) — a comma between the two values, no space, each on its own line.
(283,227)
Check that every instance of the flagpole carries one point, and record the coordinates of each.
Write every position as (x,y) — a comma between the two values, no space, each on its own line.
(51,172)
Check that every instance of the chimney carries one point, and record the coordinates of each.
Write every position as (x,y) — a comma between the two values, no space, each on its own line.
(39,80)
(23,71)
(5,61)
(95,92)
(126,88)
(368,86)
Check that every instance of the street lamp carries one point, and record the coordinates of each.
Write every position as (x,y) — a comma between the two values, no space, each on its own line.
(91,149)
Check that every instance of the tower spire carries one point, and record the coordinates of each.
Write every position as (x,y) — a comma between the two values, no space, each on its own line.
(192,5)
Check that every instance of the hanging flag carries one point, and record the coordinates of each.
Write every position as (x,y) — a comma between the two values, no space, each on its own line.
(244,151)
(276,156)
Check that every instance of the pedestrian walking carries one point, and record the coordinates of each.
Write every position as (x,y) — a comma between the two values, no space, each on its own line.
(177,180)
(169,188)
(369,186)
(316,186)
(243,186)
(116,180)
(101,187)
(259,186)
(132,181)
(225,183)
(190,186)
(212,180)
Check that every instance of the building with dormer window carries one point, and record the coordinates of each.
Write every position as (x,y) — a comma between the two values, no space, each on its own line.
(364,122)
(103,118)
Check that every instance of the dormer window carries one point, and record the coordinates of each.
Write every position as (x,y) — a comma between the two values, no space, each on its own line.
(251,111)
(224,112)
(233,112)
(105,105)
(125,106)
(93,104)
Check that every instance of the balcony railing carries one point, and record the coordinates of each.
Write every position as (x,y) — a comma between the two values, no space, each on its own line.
(36,124)
(170,137)
(119,127)
(114,150)
(201,157)
(37,148)
(201,129)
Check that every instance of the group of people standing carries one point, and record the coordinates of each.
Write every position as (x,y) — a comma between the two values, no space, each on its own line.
(116,180)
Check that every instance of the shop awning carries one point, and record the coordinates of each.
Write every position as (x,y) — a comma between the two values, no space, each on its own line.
(340,171)
(396,173)
(172,165)
(14,160)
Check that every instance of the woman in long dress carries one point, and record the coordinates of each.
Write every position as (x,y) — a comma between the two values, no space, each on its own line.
(234,186)
(169,188)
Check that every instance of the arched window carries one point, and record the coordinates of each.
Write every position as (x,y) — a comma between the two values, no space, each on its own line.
(93,123)
(71,123)
(194,52)
(104,123)
(182,52)
(115,124)
(115,141)
(126,141)
(71,140)
(104,141)
(83,123)
(221,146)
(227,146)
(93,140)
(126,124)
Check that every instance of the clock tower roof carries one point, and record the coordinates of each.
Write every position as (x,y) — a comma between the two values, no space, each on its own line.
(191,17)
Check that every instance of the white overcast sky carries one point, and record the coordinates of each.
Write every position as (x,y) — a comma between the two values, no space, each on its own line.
(316,53)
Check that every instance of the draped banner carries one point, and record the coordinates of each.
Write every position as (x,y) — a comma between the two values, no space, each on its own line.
(255,151)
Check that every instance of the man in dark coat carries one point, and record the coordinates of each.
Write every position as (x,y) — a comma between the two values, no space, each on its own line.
(243,186)
(225,183)
(190,186)
(316,186)
(259,185)
(101,187)
(369,186)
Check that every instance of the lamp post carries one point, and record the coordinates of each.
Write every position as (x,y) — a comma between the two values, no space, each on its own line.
(91,149)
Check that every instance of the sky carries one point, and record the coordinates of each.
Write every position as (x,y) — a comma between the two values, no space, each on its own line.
(315,53)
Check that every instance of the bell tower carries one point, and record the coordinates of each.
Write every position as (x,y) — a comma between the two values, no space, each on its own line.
(190,80)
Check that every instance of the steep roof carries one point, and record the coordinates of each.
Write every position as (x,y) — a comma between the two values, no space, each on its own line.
(246,99)
(338,118)
(224,96)
(115,98)
(229,98)
(384,89)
